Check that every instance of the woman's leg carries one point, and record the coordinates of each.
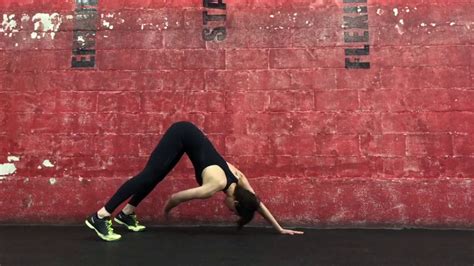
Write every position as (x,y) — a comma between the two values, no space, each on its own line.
(162,160)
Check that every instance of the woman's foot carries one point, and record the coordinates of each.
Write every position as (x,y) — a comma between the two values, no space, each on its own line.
(103,227)
(130,221)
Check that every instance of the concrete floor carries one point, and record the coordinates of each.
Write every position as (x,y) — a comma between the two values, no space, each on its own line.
(77,245)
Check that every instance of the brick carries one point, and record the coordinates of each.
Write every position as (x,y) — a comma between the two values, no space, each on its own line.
(183,80)
(204,59)
(76,102)
(448,55)
(337,145)
(115,40)
(399,56)
(139,59)
(386,145)
(404,122)
(142,20)
(35,144)
(320,79)
(291,101)
(363,79)
(270,123)
(205,102)
(183,39)
(235,38)
(246,59)
(130,123)
(429,145)
(316,37)
(32,102)
(106,81)
(116,145)
(463,145)
(19,82)
(361,123)
(55,81)
(247,145)
(270,80)
(30,123)
(383,100)
(77,145)
(128,102)
(268,38)
(147,142)
(294,145)
(291,58)
(461,100)
(306,58)
(164,101)
(92,123)
(313,123)
(340,100)
(230,81)
(244,102)
(358,167)
(428,100)
(39,61)
(455,122)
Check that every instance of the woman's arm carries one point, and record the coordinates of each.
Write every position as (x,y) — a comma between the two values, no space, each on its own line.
(262,209)
(202,192)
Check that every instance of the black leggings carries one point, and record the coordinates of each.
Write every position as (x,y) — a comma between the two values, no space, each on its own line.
(162,160)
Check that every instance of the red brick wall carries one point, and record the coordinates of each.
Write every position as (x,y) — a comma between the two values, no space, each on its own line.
(323,145)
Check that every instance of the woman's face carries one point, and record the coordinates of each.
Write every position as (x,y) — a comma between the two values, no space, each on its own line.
(230,203)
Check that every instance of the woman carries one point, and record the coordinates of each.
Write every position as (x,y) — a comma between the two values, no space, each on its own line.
(213,174)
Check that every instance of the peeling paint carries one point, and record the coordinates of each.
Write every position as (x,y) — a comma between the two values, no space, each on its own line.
(380,12)
(9,25)
(395,12)
(52,181)
(47,163)
(45,24)
(107,24)
(7,169)
(400,31)
(423,24)
(13,159)
(402,22)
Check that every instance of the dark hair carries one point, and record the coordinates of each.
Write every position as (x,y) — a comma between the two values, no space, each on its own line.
(247,204)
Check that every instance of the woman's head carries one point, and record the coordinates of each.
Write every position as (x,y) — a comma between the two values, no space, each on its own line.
(246,203)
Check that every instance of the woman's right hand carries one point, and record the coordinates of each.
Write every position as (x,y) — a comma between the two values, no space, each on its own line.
(170,204)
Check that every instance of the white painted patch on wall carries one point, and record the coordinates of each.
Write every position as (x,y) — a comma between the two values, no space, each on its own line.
(423,24)
(7,169)
(400,31)
(107,24)
(25,17)
(48,164)
(402,22)
(13,159)
(45,24)
(52,181)
(379,12)
(452,23)
(395,12)
(9,25)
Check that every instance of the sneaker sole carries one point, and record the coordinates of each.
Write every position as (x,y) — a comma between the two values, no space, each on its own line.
(99,234)
(131,228)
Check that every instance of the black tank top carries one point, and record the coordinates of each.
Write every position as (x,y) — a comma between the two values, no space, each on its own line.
(202,154)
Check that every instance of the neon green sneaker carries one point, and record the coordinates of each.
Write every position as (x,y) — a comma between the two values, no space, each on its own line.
(130,221)
(103,228)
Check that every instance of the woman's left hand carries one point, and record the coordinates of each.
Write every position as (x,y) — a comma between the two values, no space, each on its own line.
(169,205)
(290,232)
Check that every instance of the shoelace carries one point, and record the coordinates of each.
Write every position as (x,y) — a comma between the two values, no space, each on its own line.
(134,218)
(109,227)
